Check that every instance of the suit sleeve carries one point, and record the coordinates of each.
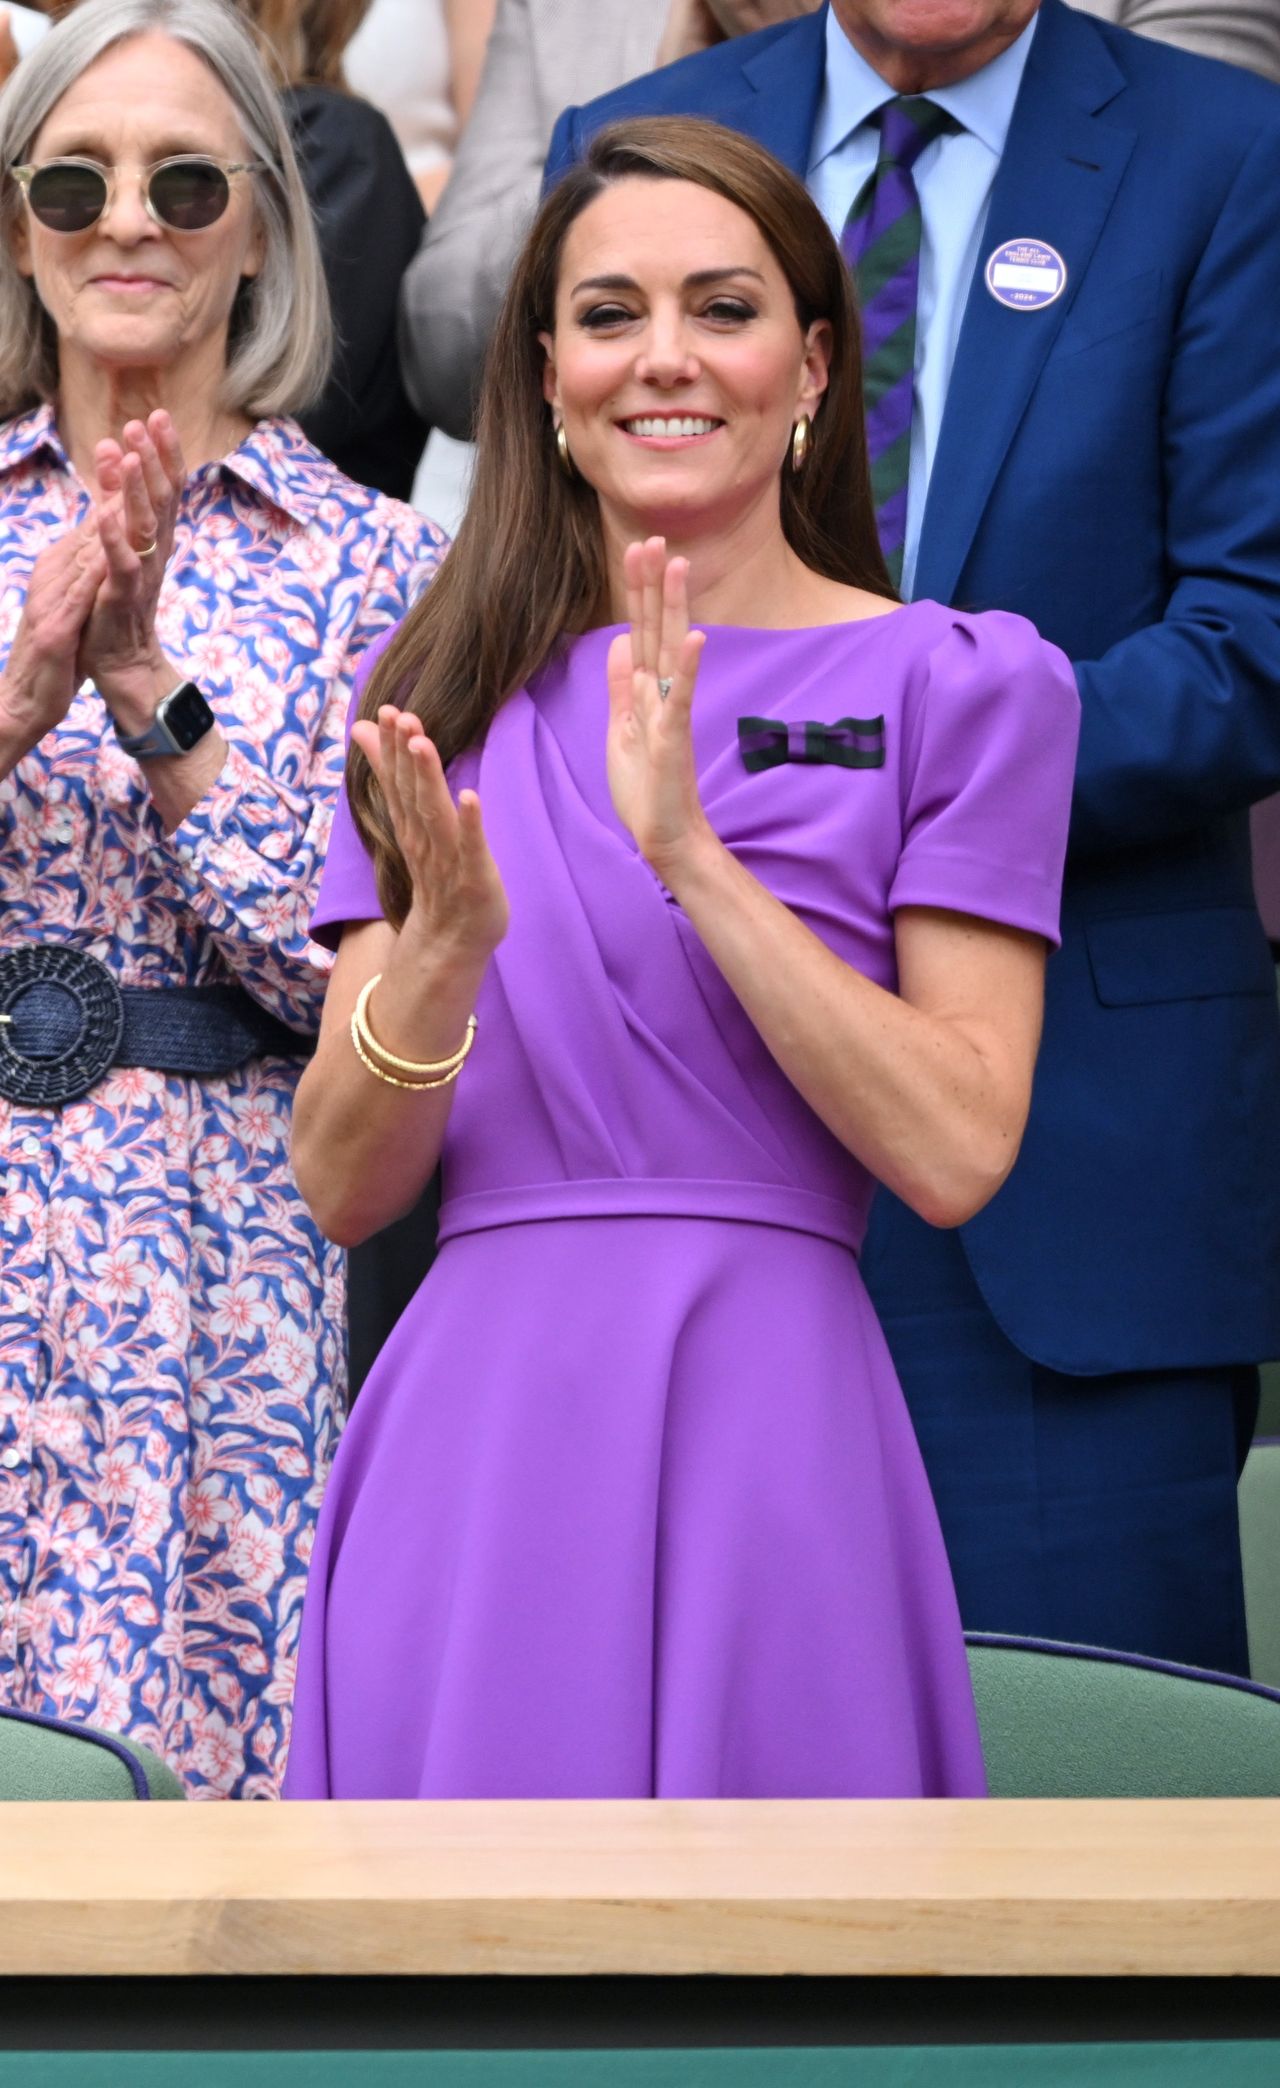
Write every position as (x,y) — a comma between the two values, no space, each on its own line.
(1181,720)
(455,283)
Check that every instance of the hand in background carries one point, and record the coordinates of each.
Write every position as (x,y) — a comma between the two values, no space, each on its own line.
(459,906)
(694,25)
(652,778)
(742,17)
(690,26)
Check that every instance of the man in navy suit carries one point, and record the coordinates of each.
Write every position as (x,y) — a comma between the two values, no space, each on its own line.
(1095,443)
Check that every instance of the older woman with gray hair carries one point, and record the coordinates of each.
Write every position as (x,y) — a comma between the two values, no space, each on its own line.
(187,586)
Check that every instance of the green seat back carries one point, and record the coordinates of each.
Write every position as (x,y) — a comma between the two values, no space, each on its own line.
(1081,1722)
(1260,1545)
(47,1758)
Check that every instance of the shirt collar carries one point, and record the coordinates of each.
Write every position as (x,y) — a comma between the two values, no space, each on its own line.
(279,463)
(275,459)
(26,435)
(853,90)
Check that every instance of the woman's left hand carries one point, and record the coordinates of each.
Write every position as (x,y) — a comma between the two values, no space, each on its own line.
(140,482)
(652,778)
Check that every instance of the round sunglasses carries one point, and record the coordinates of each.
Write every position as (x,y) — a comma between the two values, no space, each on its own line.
(185,194)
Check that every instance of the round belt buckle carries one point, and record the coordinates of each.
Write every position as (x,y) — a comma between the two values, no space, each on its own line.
(55,1054)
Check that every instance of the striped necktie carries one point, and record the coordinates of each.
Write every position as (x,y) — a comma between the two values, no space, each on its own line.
(881,243)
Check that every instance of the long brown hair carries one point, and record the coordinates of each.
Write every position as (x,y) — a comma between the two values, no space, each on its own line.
(527,569)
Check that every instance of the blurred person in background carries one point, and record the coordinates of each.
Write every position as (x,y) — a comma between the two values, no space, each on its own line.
(20,30)
(542,55)
(420,61)
(187,586)
(369,219)
(1241,32)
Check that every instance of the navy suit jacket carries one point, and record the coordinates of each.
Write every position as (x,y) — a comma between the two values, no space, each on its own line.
(1109,466)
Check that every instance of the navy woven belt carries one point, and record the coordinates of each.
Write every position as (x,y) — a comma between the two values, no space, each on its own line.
(64,1021)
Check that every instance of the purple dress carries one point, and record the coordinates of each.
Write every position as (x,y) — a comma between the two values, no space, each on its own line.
(630,1505)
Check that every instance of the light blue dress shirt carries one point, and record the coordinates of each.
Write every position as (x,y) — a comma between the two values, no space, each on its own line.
(953,177)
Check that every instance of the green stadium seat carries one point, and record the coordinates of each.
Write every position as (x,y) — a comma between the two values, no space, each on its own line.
(1260,1545)
(49,1758)
(1062,1721)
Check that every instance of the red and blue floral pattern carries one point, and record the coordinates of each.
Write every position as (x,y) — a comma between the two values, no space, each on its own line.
(171,1322)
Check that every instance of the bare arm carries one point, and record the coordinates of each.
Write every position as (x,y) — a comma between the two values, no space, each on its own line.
(468,23)
(929,1087)
(363,1149)
(9,53)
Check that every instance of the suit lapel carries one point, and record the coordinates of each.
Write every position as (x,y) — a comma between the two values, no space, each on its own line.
(780,91)
(1057,181)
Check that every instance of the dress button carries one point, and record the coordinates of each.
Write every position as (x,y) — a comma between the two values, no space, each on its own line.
(10,1459)
(31,1147)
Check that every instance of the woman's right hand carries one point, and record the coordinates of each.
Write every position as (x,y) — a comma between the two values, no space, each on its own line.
(459,907)
(40,677)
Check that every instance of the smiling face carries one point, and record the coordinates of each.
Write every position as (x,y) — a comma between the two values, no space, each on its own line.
(677,365)
(128,292)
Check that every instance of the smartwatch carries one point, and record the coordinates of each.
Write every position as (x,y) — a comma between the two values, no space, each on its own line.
(180,723)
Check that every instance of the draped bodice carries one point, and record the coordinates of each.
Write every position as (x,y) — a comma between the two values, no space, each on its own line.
(615,1068)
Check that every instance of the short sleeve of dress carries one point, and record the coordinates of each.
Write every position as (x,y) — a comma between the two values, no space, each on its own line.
(348,888)
(989,748)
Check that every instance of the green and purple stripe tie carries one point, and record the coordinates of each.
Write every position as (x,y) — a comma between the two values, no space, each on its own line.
(881,243)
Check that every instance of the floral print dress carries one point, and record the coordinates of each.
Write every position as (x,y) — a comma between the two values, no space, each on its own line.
(171,1321)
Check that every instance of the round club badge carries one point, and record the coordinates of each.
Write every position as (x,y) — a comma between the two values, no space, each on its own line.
(1026,274)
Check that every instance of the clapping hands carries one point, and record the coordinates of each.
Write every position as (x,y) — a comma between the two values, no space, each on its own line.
(652,670)
(459,906)
(140,483)
(91,600)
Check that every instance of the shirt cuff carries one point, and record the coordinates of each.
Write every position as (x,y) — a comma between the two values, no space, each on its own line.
(242,830)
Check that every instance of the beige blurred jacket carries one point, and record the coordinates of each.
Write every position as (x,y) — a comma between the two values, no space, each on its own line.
(543,56)
(1243,32)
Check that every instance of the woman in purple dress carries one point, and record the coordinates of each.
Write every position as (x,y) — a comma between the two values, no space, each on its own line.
(757,916)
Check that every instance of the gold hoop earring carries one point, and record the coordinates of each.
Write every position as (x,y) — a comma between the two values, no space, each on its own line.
(801,441)
(562,450)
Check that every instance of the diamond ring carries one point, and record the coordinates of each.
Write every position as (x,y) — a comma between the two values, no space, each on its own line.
(664,685)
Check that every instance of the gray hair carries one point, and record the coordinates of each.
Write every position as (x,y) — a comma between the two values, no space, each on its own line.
(281,333)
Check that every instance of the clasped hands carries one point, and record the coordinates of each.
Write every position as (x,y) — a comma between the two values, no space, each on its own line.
(91,600)
(458,898)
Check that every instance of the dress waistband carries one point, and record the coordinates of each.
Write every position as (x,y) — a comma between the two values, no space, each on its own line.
(750,1203)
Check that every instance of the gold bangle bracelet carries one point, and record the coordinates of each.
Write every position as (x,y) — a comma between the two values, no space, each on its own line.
(419,1070)
(413,1087)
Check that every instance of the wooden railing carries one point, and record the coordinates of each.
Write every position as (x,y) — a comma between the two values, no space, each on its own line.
(1015,1888)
